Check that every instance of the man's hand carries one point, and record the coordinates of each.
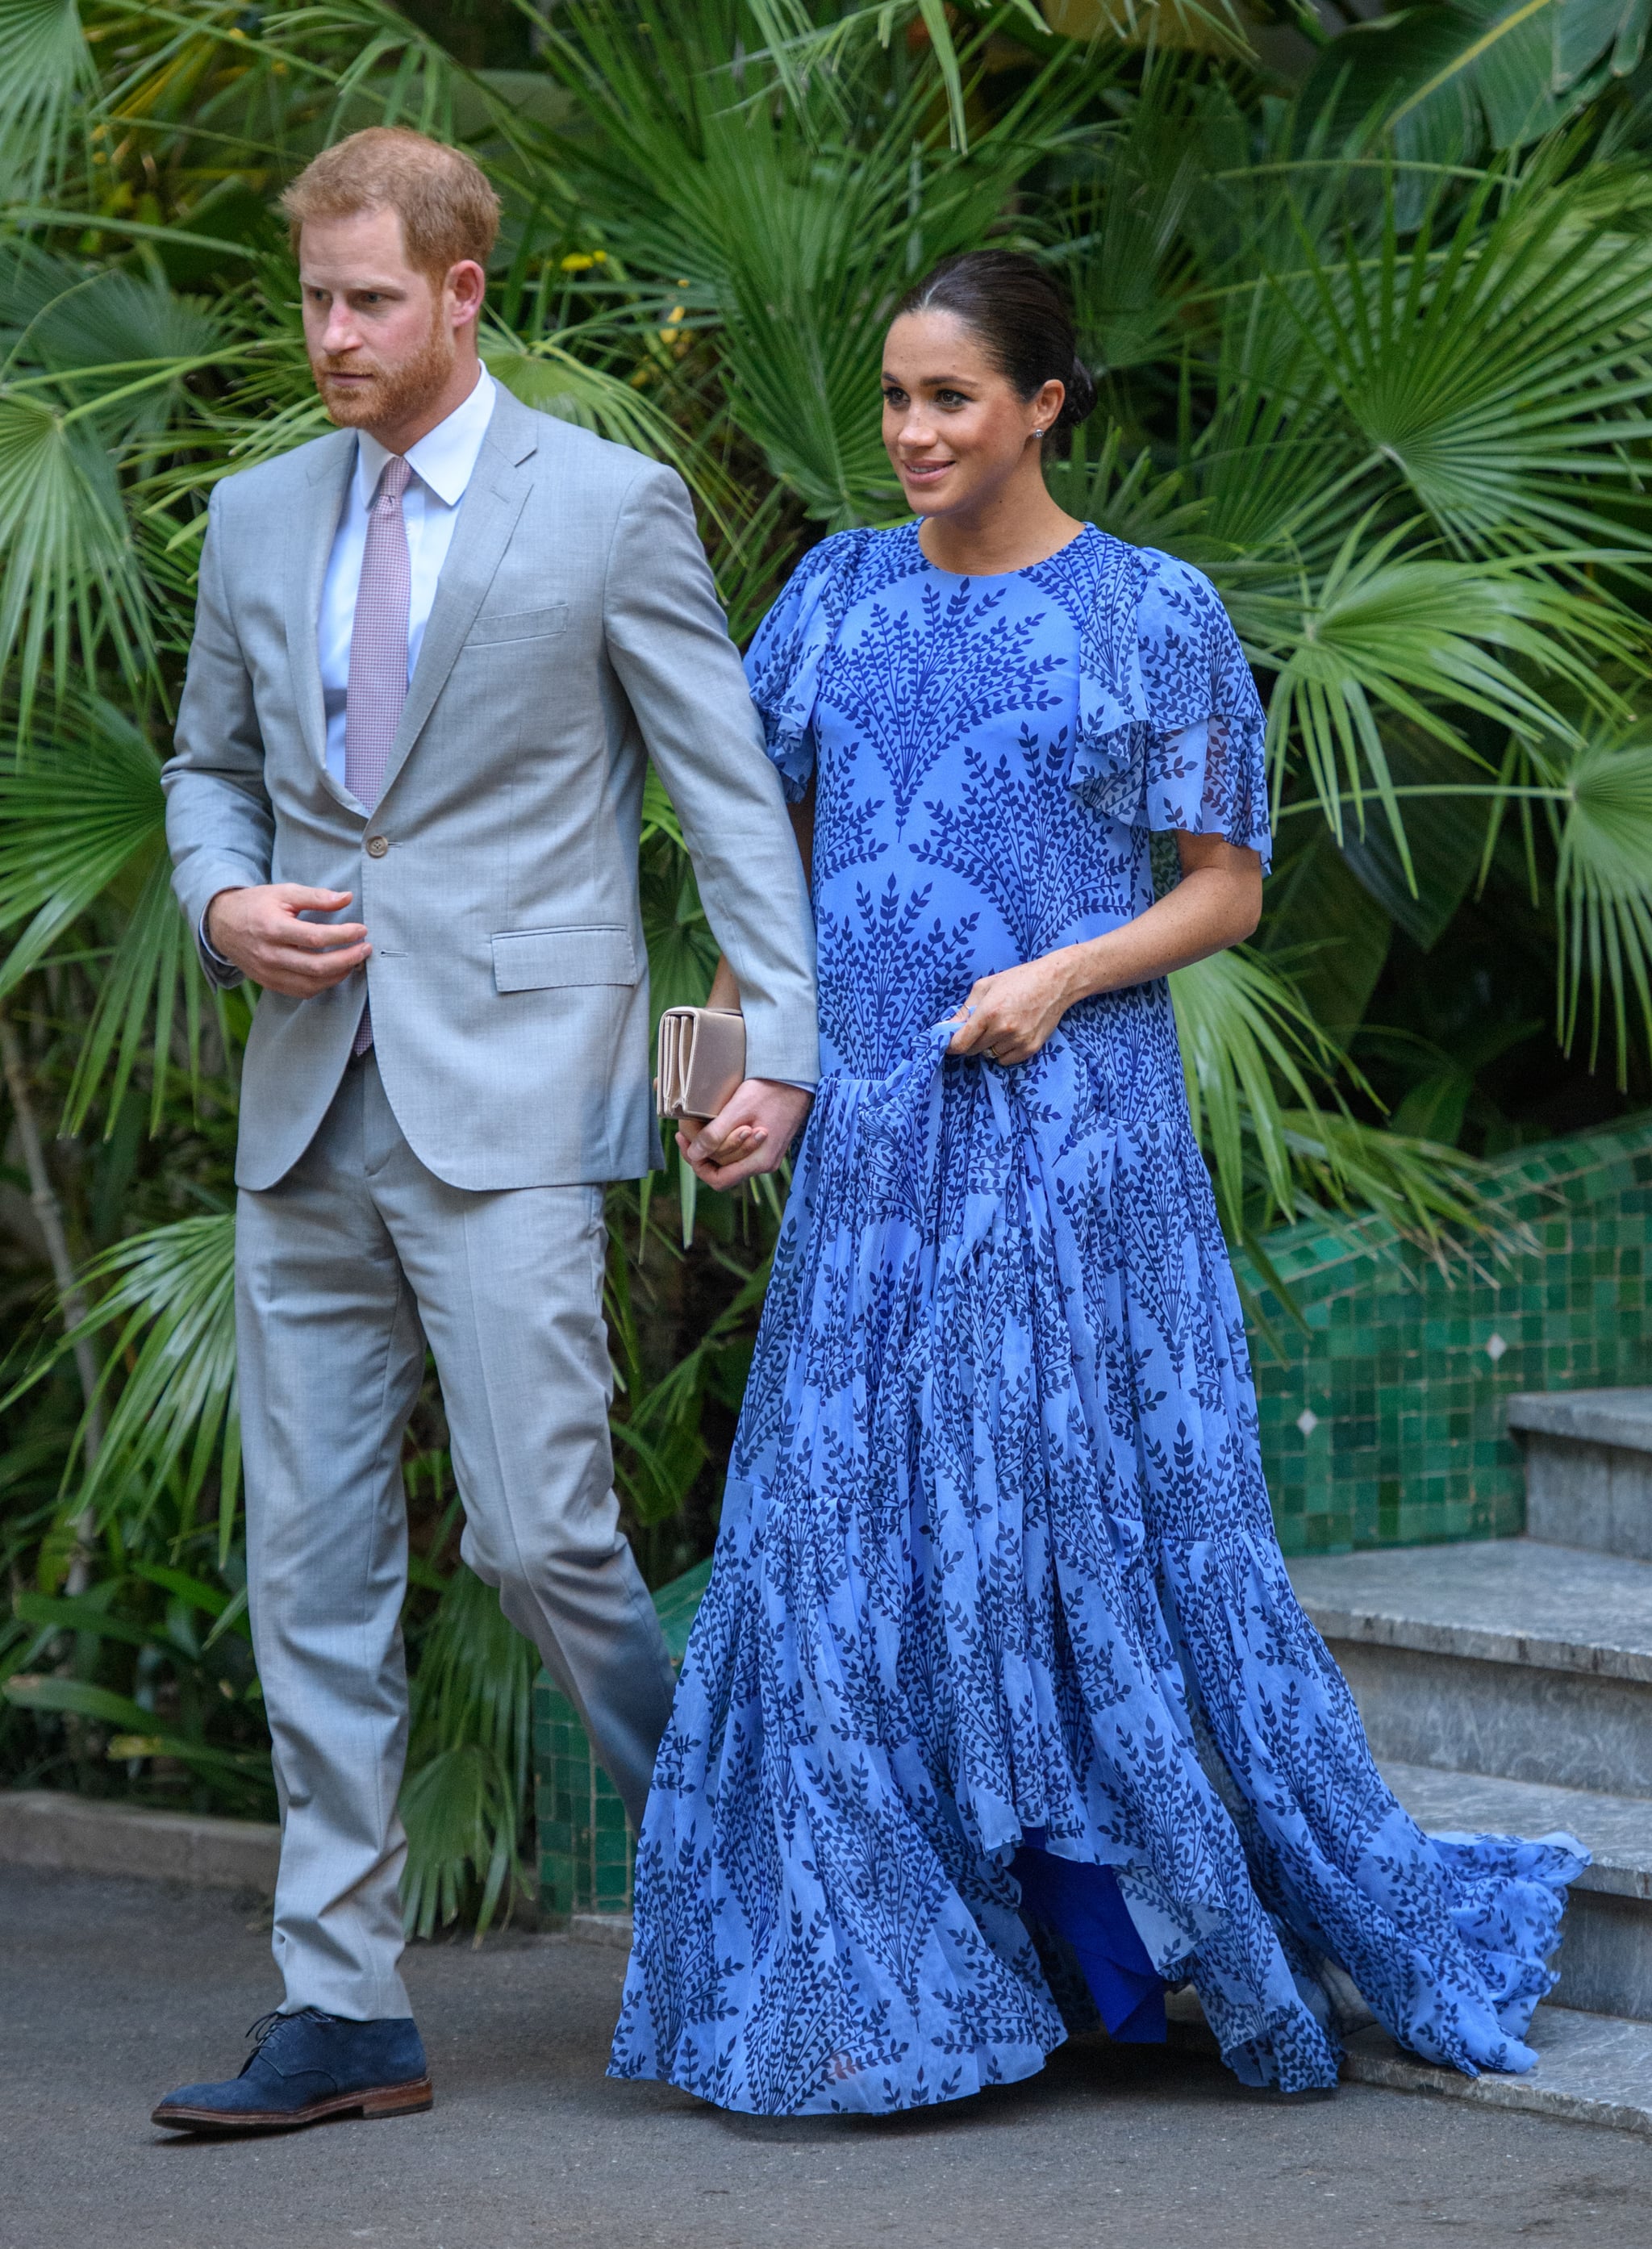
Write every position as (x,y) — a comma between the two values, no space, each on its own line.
(751,1134)
(260,930)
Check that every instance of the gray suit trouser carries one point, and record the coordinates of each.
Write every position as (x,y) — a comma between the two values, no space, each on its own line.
(343,1270)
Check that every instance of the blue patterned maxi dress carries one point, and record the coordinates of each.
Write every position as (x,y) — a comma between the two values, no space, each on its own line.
(996,1568)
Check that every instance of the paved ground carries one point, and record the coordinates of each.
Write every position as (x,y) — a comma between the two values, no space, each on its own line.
(111,1993)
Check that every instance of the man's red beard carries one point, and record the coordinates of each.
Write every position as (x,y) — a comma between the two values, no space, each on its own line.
(394,394)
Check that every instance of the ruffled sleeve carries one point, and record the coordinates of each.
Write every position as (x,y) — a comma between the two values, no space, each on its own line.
(783,663)
(1170,725)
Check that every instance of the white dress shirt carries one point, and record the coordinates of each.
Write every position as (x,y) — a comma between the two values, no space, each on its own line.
(442,463)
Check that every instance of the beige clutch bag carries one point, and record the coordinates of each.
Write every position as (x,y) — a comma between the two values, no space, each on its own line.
(702,1059)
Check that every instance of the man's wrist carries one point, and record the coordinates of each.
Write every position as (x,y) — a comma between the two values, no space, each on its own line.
(229,890)
(219,958)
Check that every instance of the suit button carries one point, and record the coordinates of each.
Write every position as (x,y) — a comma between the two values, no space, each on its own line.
(377,846)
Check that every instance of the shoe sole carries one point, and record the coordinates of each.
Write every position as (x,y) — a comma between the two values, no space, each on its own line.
(378,2100)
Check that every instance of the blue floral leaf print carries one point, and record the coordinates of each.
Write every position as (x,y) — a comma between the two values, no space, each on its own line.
(913,685)
(1171,732)
(889,969)
(1018,841)
(995,1555)
(783,664)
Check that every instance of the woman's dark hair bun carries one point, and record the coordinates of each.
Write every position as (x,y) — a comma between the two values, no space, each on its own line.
(1020,312)
(1079,401)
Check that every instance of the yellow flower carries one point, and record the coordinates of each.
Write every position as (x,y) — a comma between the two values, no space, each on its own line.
(580,261)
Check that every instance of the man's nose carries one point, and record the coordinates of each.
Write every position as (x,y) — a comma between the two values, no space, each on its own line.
(340,334)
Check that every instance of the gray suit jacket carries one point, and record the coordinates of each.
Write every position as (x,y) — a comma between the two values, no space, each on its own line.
(574,632)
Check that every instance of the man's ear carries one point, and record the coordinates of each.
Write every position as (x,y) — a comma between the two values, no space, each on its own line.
(466,285)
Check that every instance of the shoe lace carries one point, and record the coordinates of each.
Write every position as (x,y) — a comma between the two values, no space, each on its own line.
(267,2025)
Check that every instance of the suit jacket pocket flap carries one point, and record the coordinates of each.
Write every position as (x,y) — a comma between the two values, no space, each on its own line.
(531,960)
(518,624)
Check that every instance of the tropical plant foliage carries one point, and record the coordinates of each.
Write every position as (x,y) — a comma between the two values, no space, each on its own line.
(1367,312)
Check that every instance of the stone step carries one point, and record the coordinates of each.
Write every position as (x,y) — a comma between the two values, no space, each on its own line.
(1509,1657)
(1606,1959)
(1589,1468)
(1592,2069)
(50,1830)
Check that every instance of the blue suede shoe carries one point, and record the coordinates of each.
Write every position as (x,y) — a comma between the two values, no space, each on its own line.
(304,2067)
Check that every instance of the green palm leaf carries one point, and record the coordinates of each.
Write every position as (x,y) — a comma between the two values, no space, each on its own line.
(82,816)
(460,1818)
(1441,81)
(1603,890)
(97,364)
(1417,637)
(166,1300)
(470,1726)
(788,239)
(801,49)
(71,584)
(1499,362)
(1279,1150)
(45,69)
(547,375)
(1243,1034)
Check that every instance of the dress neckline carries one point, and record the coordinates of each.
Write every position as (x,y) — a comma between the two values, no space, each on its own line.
(997,577)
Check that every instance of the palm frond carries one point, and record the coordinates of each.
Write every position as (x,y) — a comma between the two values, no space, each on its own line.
(1420,637)
(1603,892)
(166,1300)
(45,71)
(792,246)
(82,816)
(802,48)
(470,1727)
(96,365)
(1440,83)
(1498,359)
(546,375)
(70,585)
(1243,1034)
(1282,1144)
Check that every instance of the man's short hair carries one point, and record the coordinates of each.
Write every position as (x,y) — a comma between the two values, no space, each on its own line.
(448,210)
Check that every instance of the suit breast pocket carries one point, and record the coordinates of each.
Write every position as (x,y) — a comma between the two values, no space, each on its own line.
(493,631)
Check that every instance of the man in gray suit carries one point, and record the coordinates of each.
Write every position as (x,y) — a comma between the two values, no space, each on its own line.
(432,653)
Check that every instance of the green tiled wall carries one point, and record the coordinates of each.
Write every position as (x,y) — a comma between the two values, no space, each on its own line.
(1400,1379)
(585,1840)
(1383,1425)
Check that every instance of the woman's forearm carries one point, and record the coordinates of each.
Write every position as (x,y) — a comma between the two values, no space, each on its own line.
(725,991)
(802,817)
(1210,909)
(1008,1015)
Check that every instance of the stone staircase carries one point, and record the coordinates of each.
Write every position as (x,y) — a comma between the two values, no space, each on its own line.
(1507,1688)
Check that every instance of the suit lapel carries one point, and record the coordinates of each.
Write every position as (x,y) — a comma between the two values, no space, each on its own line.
(310,537)
(494,499)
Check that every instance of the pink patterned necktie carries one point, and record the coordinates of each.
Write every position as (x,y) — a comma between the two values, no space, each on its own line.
(376,688)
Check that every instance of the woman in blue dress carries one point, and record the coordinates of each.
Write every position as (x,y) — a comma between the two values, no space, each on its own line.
(999,1715)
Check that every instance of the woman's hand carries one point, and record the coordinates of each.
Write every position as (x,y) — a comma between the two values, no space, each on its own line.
(1009,1016)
